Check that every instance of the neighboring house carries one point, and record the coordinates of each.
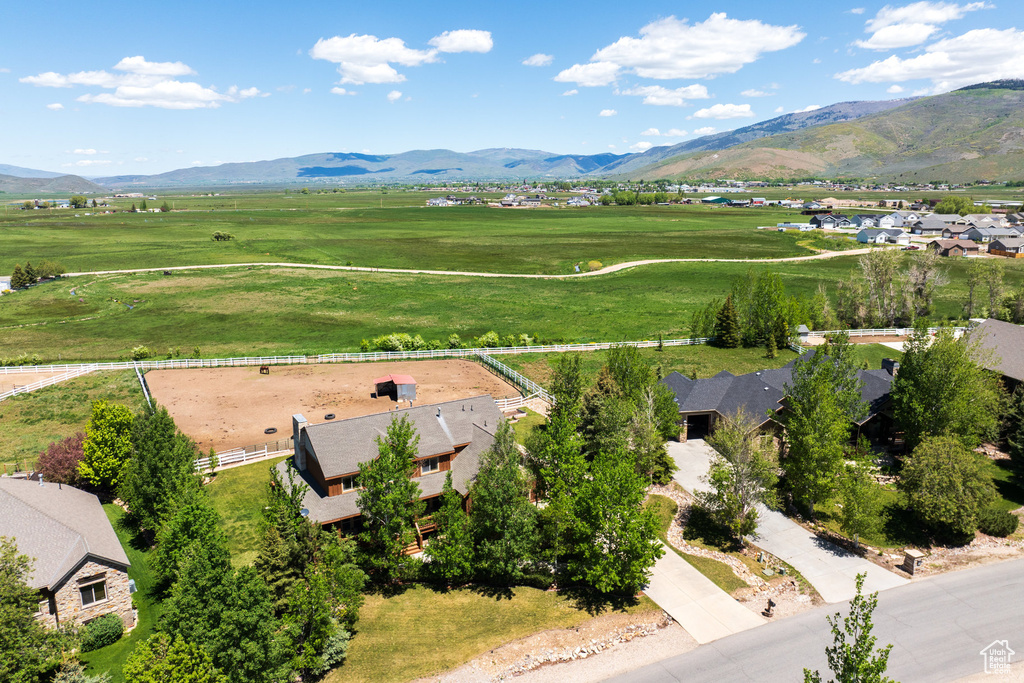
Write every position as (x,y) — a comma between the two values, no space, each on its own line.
(758,201)
(902,219)
(452,436)
(714,199)
(878,236)
(830,221)
(78,564)
(946,217)
(1003,341)
(1015,219)
(986,220)
(703,402)
(986,235)
(437,201)
(955,231)
(954,247)
(869,220)
(1012,247)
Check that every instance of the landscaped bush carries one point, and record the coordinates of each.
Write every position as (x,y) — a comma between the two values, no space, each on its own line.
(139,353)
(996,522)
(488,340)
(101,632)
(23,359)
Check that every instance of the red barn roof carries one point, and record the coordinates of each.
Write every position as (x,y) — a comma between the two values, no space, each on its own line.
(396,379)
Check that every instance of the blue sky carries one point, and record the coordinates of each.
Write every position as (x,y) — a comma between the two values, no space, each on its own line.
(112,88)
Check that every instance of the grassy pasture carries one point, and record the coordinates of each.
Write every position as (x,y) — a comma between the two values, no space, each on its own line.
(269,310)
(350,228)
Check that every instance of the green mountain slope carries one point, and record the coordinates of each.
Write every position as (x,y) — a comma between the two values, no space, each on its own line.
(976,132)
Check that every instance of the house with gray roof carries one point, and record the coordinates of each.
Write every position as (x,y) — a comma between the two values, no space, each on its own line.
(1012,247)
(985,235)
(702,402)
(1003,343)
(452,437)
(883,236)
(78,564)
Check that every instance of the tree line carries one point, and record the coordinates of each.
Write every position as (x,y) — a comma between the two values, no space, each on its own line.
(29,275)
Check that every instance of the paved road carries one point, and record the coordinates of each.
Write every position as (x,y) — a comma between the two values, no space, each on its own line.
(531,276)
(703,609)
(938,627)
(830,569)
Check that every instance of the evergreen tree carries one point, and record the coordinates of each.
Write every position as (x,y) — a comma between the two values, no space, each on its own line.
(143,206)
(614,542)
(107,446)
(31,277)
(18,279)
(133,209)
(194,523)
(727,326)
(161,470)
(771,350)
(451,551)
(502,519)
(389,501)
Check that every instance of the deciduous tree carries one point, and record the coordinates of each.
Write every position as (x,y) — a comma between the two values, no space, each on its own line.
(107,446)
(451,552)
(161,660)
(59,462)
(194,522)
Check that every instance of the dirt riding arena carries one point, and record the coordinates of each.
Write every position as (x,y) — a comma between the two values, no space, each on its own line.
(228,408)
(20,379)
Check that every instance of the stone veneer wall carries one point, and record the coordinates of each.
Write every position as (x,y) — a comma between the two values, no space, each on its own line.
(68,601)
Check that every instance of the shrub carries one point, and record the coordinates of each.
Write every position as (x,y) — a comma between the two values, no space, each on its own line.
(59,462)
(489,340)
(140,353)
(219,236)
(23,359)
(996,522)
(454,342)
(101,632)
(594,265)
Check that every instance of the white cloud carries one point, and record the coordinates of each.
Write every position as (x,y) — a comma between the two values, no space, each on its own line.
(857,10)
(779,110)
(589,75)
(539,59)
(672,48)
(976,56)
(91,162)
(139,65)
(143,84)
(608,112)
(706,130)
(140,159)
(56,106)
(463,40)
(641,146)
(662,96)
(756,93)
(815,61)
(570,93)
(368,59)
(338,90)
(394,96)
(670,133)
(86,152)
(809,107)
(913,24)
(724,111)
(894,89)
(4,70)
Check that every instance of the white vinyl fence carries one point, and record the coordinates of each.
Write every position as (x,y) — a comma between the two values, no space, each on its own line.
(75,371)
(881,332)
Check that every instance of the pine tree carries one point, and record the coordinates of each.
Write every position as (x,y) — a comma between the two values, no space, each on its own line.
(771,351)
(31,277)
(727,326)
(18,279)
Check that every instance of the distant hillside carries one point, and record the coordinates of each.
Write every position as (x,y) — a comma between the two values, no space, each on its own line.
(64,184)
(971,133)
(19,172)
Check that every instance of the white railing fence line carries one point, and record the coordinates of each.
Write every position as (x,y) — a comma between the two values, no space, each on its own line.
(879,332)
(48,381)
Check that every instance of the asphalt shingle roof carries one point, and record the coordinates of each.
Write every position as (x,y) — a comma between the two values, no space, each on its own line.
(57,526)
(1005,341)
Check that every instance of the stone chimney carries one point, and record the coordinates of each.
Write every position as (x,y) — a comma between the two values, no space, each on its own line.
(299,424)
(893,366)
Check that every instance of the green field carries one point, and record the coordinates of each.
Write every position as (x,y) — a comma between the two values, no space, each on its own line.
(29,422)
(349,228)
(270,310)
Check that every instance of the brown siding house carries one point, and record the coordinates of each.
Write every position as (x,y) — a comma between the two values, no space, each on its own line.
(1011,247)
(954,247)
(78,564)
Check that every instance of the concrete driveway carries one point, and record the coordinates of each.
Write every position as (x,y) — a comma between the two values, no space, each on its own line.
(703,609)
(830,569)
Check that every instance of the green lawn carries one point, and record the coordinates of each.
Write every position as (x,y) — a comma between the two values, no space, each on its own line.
(270,310)
(527,424)
(423,632)
(873,354)
(238,495)
(29,422)
(111,658)
(721,574)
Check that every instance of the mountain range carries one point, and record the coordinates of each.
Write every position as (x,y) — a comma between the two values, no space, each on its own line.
(976,132)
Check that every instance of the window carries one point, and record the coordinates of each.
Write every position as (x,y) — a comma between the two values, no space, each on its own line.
(348,483)
(429,465)
(94,592)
